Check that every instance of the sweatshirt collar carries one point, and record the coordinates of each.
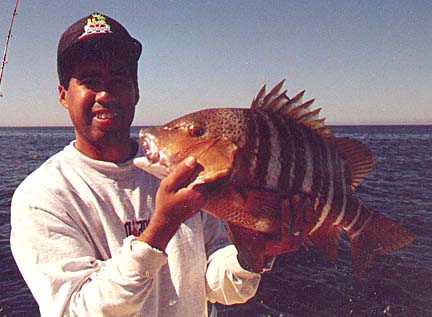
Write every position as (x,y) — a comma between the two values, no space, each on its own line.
(108,169)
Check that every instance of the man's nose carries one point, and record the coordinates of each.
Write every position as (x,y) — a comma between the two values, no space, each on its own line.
(105,96)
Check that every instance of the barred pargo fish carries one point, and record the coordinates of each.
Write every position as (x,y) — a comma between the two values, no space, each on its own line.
(277,156)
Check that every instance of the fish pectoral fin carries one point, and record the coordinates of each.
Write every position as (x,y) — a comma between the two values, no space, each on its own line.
(216,161)
(258,211)
(261,203)
(262,207)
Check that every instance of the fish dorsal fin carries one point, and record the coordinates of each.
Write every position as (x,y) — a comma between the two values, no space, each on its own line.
(357,157)
(295,108)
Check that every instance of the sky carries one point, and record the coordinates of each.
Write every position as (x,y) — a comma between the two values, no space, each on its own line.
(365,62)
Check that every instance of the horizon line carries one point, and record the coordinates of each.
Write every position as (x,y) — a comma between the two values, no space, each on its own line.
(150,125)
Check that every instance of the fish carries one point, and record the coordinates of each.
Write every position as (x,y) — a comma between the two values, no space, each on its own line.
(277,169)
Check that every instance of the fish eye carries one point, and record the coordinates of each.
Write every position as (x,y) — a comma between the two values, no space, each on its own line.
(196,131)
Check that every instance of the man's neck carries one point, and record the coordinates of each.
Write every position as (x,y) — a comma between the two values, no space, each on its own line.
(117,153)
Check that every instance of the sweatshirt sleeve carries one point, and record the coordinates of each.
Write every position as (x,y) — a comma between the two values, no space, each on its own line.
(227,282)
(63,273)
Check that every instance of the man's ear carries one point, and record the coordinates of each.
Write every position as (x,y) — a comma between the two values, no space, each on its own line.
(62,96)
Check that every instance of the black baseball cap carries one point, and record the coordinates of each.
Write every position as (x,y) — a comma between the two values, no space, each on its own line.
(91,33)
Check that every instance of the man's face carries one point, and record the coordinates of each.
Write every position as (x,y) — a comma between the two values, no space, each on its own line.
(100,99)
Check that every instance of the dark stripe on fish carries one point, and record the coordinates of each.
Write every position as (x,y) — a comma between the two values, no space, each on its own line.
(286,147)
(338,189)
(345,188)
(263,150)
(286,179)
(299,150)
(359,222)
(327,193)
(247,165)
(318,150)
(352,208)
(274,167)
(325,180)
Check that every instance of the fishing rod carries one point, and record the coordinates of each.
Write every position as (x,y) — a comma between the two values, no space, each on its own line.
(7,44)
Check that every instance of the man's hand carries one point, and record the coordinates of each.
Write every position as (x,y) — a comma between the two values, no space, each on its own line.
(175,203)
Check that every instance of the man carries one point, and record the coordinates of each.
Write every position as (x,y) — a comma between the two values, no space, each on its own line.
(95,236)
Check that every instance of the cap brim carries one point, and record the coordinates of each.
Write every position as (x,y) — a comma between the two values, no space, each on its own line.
(93,42)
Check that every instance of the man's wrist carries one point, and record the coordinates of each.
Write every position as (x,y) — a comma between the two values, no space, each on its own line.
(158,234)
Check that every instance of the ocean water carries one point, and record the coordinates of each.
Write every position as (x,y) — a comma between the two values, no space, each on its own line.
(301,283)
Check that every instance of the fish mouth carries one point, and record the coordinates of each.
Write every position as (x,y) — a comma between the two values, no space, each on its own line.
(150,149)
(154,161)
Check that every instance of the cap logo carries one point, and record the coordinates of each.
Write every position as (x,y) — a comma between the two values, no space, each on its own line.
(96,25)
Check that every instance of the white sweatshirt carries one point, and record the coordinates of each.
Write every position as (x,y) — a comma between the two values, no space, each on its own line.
(73,221)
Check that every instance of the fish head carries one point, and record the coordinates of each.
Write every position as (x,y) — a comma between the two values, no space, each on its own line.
(201,134)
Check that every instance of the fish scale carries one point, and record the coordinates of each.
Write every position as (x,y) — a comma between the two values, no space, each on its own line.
(277,170)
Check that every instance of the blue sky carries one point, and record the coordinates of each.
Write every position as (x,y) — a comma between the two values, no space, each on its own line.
(365,62)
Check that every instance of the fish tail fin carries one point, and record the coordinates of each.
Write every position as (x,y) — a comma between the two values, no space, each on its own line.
(378,236)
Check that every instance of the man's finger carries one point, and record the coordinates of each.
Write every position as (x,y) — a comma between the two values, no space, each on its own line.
(181,175)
